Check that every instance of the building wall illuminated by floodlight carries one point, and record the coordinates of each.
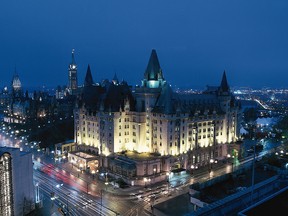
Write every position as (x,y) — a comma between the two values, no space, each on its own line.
(157,119)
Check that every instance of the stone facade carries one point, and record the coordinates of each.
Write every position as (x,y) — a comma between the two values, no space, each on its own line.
(191,129)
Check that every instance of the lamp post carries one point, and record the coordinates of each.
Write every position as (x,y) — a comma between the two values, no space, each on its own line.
(168,181)
(154,172)
(78,172)
(192,169)
(229,160)
(145,180)
(211,164)
(106,180)
(93,174)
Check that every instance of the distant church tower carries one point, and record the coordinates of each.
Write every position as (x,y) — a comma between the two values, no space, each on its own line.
(72,69)
(16,85)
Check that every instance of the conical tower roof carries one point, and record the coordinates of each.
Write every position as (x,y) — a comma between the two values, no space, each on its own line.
(115,79)
(224,84)
(88,78)
(153,70)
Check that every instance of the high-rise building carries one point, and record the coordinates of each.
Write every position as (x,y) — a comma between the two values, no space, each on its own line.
(72,79)
(16,182)
(195,128)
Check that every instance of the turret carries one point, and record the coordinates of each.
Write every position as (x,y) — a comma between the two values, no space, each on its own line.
(88,78)
(224,87)
(115,79)
(153,76)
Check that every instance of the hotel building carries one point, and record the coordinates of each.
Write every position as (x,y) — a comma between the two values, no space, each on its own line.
(180,130)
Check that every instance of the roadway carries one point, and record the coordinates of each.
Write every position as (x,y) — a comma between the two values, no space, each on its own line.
(76,197)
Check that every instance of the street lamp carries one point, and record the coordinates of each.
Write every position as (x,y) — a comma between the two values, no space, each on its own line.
(106,180)
(232,162)
(145,180)
(78,172)
(93,174)
(154,172)
(168,180)
(192,169)
(211,164)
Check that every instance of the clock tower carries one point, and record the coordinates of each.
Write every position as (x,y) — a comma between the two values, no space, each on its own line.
(72,70)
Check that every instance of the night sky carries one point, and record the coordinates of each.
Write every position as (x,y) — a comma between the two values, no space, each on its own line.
(195,40)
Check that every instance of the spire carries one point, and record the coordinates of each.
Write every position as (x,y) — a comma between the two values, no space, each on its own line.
(224,84)
(153,70)
(73,58)
(88,78)
(115,79)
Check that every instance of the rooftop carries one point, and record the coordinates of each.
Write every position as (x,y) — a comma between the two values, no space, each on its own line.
(278,200)
(84,155)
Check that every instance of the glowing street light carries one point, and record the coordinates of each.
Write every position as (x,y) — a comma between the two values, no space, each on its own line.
(145,180)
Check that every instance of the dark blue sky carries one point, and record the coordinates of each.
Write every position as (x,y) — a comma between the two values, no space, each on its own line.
(195,40)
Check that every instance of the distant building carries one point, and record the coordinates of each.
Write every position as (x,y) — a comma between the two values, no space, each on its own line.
(110,117)
(16,182)
(16,86)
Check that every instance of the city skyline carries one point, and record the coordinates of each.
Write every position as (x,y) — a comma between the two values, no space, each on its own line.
(195,40)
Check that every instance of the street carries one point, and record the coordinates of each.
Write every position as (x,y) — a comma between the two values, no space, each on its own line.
(80,194)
